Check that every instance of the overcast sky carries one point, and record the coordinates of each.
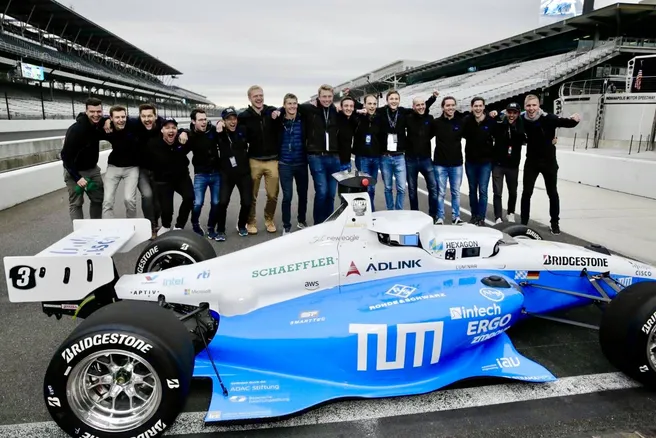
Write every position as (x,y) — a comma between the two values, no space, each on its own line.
(223,47)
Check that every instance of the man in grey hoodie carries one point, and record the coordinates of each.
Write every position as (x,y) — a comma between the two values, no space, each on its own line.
(540,128)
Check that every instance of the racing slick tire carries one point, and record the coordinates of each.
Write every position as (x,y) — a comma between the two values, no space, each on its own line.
(518,230)
(174,248)
(134,354)
(627,332)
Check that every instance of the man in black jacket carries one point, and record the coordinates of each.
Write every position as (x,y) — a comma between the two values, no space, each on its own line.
(509,138)
(170,166)
(204,144)
(418,127)
(263,153)
(541,157)
(366,142)
(80,155)
(235,171)
(122,165)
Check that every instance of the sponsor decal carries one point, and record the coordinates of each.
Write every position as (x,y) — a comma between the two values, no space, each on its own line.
(173,383)
(153,431)
(54,402)
(150,279)
(144,259)
(353,270)
(643,273)
(197,291)
(349,238)
(474,312)
(174,281)
(593,262)
(644,368)
(144,293)
(311,285)
(527,275)
(308,317)
(532,378)
(485,325)
(502,362)
(435,246)
(409,299)
(492,294)
(359,206)
(642,270)
(23,277)
(459,267)
(237,398)
(625,281)
(105,339)
(393,266)
(214,415)
(647,326)
(455,244)
(355,225)
(254,386)
(294,267)
(204,275)
(86,245)
(398,290)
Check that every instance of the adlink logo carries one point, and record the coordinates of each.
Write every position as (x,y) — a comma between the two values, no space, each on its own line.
(474,312)
(392,266)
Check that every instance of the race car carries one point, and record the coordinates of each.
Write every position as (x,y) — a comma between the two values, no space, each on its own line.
(365,305)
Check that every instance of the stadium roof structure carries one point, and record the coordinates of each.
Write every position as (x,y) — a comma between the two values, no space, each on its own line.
(57,19)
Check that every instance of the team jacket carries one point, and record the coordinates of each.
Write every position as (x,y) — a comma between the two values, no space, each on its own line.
(81,146)
(479,137)
(448,140)
(234,144)
(319,121)
(261,133)
(418,134)
(125,150)
(367,135)
(508,141)
(540,134)
(205,148)
(167,162)
(291,139)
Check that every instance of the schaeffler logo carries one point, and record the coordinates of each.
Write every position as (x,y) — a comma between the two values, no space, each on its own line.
(353,270)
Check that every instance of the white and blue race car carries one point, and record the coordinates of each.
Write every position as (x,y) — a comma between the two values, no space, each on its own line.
(365,305)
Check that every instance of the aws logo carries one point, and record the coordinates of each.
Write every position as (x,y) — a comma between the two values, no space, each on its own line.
(311,285)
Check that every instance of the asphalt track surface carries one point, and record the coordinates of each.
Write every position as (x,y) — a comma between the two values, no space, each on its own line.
(590,399)
(14,136)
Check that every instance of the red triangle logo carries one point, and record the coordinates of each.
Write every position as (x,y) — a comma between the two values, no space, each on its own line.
(353,270)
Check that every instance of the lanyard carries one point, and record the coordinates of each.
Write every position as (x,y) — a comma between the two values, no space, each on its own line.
(326,116)
(392,123)
(290,131)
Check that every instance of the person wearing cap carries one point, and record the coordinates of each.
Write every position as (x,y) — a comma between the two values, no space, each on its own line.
(509,136)
(235,171)
(170,167)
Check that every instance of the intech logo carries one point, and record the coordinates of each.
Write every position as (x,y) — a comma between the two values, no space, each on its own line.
(474,312)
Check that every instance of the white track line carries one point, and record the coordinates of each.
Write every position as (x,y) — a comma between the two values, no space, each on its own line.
(372,409)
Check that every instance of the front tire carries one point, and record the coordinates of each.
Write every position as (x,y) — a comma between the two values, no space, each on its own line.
(174,248)
(124,371)
(627,332)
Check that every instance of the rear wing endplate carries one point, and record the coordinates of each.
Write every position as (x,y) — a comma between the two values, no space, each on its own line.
(76,265)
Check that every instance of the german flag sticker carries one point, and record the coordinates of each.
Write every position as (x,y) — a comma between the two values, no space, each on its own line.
(533,275)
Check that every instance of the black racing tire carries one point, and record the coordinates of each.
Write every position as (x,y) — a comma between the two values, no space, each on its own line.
(627,325)
(185,247)
(156,337)
(518,230)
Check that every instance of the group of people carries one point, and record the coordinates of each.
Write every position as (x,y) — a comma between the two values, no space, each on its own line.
(285,145)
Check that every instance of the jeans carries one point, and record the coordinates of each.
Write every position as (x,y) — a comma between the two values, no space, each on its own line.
(414,166)
(478,177)
(113,177)
(393,166)
(201,182)
(149,200)
(288,173)
(183,186)
(322,167)
(511,175)
(550,175)
(268,170)
(454,176)
(244,184)
(76,200)
(370,166)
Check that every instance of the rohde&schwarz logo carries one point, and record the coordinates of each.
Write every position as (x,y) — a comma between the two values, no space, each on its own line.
(492,294)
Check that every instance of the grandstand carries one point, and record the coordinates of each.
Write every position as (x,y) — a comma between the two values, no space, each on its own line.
(594,47)
(52,59)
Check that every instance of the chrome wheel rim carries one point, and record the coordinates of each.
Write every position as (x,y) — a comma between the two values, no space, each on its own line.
(114,391)
(170,259)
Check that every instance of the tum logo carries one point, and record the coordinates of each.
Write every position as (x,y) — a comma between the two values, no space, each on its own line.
(402,331)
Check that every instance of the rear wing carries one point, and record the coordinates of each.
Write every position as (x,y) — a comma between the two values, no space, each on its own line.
(76,265)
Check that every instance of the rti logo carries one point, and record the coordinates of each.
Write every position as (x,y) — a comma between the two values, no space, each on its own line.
(204,275)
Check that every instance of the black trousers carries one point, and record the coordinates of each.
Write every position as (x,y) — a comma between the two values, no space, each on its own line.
(166,190)
(512,176)
(244,184)
(550,175)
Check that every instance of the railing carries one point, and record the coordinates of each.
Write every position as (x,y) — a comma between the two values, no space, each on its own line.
(591,86)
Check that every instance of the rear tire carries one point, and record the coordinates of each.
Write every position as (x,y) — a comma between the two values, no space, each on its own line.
(138,349)
(518,230)
(627,332)
(174,248)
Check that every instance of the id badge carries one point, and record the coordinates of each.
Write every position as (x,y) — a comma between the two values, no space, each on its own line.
(391,142)
(233,161)
(327,142)
(367,139)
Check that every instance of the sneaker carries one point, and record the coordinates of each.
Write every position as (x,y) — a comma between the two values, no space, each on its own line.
(457,221)
(555,229)
(498,221)
(198,230)
(211,234)
(473,220)
(511,217)
(163,230)
(439,221)
(286,231)
(251,228)
(270,227)
(301,225)
(243,232)
(220,237)
(480,223)
(177,228)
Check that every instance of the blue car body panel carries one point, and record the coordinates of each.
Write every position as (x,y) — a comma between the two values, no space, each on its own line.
(397,336)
